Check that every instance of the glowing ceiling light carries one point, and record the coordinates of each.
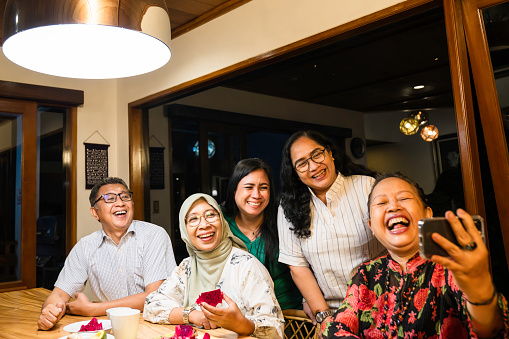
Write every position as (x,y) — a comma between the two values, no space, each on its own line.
(409,126)
(429,133)
(88,40)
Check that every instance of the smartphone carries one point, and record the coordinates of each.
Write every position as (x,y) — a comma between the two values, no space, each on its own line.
(440,225)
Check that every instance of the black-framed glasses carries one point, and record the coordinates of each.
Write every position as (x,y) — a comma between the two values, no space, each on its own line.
(110,198)
(317,157)
(193,220)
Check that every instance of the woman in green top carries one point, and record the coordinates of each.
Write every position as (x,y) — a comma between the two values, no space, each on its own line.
(250,209)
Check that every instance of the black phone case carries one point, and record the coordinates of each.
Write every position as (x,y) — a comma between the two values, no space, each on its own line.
(440,225)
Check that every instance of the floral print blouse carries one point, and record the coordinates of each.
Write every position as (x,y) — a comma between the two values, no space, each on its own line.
(244,279)
(437,308)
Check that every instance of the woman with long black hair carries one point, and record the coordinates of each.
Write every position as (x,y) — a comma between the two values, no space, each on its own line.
(250,210)
(322,220)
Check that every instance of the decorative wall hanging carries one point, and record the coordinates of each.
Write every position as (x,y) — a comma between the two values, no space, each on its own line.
(156,158)
(96,161)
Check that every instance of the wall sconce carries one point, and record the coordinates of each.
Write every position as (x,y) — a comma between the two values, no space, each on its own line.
(85,39)
(429,133)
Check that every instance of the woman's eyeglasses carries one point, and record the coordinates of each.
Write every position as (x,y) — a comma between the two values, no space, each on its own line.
(193,220)
(317,157)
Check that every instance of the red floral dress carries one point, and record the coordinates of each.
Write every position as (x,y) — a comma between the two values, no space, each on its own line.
(422,303)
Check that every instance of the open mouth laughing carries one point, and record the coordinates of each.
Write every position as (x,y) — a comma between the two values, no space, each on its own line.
(120,213)
(206,236)
(397,223)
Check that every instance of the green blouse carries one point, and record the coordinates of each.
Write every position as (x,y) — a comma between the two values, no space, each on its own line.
(287,293)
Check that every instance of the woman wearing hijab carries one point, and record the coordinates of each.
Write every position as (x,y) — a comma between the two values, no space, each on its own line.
(217,260)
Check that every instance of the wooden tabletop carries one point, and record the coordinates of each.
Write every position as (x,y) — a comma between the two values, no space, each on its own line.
(20,310)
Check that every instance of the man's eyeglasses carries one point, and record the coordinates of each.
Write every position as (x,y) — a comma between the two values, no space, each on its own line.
(193,220)
(317,157)
(110,198)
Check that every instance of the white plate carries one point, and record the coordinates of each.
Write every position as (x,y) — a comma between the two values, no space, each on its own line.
(85,335)
(75,327)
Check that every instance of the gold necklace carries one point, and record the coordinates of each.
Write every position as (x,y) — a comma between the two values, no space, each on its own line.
(252,231)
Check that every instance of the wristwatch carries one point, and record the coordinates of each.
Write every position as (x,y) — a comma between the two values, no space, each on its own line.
(185,314)
(320,316)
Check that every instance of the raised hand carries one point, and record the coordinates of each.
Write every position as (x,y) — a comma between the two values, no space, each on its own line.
(469,262)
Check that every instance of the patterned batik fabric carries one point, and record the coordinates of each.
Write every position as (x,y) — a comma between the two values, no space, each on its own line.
(437,308)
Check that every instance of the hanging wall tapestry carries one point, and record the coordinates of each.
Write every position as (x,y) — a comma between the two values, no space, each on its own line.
(96,162)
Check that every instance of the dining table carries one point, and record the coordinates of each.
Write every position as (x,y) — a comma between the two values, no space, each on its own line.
(20,311)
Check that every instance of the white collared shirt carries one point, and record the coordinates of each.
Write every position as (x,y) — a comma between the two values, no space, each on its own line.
(340,237)
(143,256)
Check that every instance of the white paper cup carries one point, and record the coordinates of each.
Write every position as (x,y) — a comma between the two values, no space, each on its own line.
(125,323)
(114,309)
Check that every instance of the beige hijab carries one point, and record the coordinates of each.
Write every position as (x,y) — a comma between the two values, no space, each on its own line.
(206,266)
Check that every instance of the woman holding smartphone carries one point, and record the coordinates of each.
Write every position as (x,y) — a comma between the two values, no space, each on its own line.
(403,295)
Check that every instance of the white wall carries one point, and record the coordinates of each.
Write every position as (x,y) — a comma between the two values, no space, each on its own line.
(158,137)
(246,32)
(98,113)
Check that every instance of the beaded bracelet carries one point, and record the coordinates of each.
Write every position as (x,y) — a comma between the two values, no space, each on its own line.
(487,302)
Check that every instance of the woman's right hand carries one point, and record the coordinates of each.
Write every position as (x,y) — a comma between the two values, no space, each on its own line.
(228,317)
(309,313)
(198,319)
(469,267)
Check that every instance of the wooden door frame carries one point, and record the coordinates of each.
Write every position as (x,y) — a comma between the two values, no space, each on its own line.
(28,111)
(464,108)
(489,107)
(31,96)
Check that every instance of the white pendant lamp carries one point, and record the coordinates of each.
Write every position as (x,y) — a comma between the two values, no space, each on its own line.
(87,39)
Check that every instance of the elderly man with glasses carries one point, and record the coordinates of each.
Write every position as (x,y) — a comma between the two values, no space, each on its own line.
(123,262)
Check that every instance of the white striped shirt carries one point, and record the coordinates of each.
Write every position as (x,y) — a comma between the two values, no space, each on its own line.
(340,238)
(143,256)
